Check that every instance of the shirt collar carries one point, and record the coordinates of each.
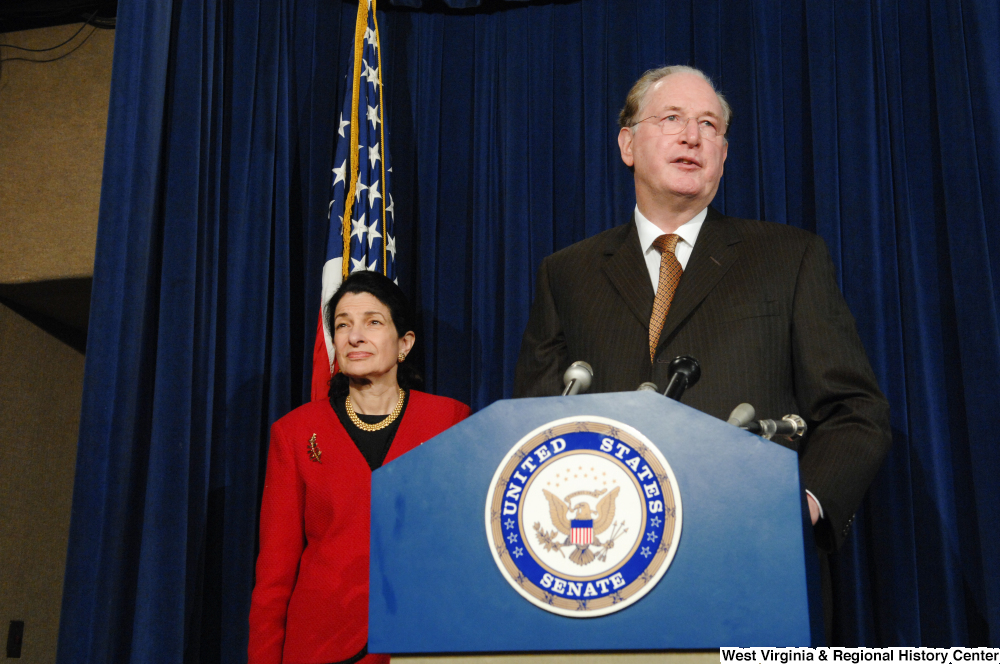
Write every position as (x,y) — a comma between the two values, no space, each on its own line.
(648,231)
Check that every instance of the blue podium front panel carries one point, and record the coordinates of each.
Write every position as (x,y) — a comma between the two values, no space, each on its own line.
(737,575)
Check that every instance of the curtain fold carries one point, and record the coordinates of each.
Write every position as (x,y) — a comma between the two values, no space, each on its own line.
(876,125)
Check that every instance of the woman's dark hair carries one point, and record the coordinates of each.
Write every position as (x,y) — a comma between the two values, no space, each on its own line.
(385,291)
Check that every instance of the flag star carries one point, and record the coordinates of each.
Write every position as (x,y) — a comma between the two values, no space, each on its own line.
(343,123)
(340,174)
(373,155)
(390,246)
(388,208)
(358,265)
(373,194)
(370,36)
(373,233)
(358,228)
(373,116)
(370,73)
(329,211)
(359,191)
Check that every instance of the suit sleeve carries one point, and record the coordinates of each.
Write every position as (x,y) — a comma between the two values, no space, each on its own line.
(282,540)
(543,357)
(838,395)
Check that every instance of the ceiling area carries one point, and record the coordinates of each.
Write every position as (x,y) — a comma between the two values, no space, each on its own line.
(18,15)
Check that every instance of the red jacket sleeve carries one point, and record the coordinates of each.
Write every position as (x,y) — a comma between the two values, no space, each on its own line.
(282,539)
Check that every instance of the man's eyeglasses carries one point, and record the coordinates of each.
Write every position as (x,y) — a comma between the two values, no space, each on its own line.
(675,124)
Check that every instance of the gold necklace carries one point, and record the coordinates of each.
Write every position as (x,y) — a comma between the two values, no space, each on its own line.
(389,419)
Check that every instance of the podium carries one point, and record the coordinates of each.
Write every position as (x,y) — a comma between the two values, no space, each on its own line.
(742,570)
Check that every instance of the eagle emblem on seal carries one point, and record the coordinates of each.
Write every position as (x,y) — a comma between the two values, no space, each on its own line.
(581,524)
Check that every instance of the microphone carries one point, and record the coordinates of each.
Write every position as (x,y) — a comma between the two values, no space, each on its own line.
(684,373)
(791,426)
(577,378)
(648,387)
(741,415)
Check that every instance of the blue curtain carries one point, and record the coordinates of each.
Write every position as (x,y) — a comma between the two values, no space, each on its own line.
(199,313)
(876,125)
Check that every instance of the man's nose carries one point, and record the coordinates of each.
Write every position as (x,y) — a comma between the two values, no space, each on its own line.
(691,133)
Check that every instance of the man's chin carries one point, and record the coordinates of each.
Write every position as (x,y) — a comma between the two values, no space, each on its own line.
(689,194)
(694,191)
(685,185)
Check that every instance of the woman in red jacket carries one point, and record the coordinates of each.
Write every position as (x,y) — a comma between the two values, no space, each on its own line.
(310,601)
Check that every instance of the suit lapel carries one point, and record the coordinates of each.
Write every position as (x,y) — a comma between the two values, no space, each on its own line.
(714,253)
(625,267)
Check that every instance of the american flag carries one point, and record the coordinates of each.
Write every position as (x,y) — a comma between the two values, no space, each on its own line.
(360,212)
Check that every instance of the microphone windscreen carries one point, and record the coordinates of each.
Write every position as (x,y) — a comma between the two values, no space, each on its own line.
(741,415)
(580,372)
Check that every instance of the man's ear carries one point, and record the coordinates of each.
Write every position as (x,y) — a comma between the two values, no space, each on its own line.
(625,145)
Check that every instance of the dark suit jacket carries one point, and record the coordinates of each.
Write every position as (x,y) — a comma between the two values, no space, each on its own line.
(758,306)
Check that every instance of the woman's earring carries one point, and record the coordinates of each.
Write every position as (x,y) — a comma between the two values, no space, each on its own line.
(402,356)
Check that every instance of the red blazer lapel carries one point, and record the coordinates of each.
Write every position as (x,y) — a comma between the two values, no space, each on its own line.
(426,416)
(408,435)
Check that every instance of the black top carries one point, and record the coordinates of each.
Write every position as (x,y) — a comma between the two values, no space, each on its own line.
(374,445)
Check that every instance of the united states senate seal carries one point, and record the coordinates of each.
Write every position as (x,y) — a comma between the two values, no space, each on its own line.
(583,516)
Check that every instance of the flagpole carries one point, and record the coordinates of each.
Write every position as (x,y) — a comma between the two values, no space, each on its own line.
(359,42)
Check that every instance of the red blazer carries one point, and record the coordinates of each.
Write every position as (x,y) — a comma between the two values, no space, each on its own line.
(310,600)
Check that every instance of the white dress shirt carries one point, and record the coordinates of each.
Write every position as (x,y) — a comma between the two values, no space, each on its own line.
(648,232)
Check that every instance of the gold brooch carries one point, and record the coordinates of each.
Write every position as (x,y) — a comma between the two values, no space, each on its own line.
(314,452)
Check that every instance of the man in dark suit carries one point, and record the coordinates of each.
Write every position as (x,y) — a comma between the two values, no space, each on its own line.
(756,303)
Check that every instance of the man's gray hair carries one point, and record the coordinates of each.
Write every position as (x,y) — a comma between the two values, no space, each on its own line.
(633,102)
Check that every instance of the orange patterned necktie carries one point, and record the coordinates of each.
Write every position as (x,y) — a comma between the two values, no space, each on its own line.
(670,276)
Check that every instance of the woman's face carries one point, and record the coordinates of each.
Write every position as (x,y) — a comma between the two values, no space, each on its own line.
(365,338)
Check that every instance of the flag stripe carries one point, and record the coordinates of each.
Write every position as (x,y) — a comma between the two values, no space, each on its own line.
(321,365)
